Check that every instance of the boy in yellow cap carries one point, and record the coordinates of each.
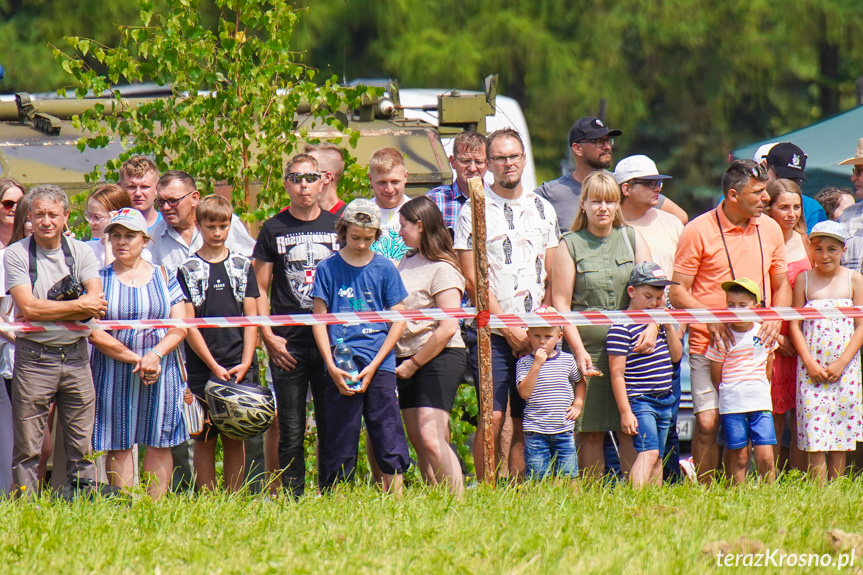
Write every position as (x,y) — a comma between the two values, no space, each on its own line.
(740,375)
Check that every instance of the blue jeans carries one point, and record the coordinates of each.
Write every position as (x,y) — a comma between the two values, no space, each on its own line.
(654,419)
(671,468)
(550,454)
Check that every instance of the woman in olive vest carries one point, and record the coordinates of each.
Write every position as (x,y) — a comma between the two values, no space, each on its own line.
(591,270)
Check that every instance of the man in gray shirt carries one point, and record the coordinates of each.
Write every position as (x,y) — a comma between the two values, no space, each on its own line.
(591,142)
(52,278)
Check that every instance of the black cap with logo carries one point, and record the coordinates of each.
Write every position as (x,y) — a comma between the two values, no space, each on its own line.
(590,128)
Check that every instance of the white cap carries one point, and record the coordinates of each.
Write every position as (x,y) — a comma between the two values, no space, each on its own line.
(762,151)
(129,218)
(640,167)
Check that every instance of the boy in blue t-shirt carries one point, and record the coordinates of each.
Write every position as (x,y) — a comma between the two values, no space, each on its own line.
(642,381)
(357,279)
(553,389)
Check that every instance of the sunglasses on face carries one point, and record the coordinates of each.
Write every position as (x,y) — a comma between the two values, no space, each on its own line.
(8,204)
(650,184)
(160,203)
(296,177)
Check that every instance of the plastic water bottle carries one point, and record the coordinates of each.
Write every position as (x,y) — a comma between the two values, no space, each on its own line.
(344,358)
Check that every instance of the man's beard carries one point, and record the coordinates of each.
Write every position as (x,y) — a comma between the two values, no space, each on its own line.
(509,185)
(599,164)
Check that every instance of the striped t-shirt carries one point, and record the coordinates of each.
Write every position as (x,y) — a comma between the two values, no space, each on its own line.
(646,373)
(744,387)
(545,409)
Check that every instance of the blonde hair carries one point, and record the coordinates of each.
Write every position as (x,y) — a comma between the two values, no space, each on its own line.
(598,185)
(386,159)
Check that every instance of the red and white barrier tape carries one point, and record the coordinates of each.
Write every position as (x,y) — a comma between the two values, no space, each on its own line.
(495,321)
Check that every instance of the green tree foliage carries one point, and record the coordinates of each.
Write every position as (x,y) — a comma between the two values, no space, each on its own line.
(686,80)
(236,91)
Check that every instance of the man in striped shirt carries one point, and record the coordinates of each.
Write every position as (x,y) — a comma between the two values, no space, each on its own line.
(642,381)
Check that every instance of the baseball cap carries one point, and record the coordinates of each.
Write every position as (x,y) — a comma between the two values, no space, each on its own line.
(746,284)
(829,229)
(649,273)
(590,128)
(640,167)
(363,213)
(129,218)
(762,151)
(787,160)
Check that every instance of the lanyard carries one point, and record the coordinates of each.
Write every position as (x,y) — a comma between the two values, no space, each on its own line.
(728,255)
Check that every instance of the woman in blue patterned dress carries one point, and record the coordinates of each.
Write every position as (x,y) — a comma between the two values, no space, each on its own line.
(139,389)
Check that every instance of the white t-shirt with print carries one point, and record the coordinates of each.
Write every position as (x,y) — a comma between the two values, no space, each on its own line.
(518,233)
(391,245)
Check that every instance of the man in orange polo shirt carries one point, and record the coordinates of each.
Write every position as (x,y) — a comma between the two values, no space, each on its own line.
(731,242)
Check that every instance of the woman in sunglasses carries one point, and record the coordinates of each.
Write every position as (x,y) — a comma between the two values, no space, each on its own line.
(10,192)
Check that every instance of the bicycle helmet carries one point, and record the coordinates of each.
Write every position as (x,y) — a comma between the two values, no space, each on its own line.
(239,410)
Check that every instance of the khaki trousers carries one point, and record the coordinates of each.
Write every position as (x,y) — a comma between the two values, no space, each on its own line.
(43,374)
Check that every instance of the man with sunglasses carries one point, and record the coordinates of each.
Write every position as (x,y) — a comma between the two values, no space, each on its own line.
(591,142)
(730,242)
(787,161)
(640,186)
(467,161)
(852,217)
(176,238)
(289,247)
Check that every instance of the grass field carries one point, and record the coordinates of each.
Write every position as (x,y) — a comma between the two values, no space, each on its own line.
(532,528)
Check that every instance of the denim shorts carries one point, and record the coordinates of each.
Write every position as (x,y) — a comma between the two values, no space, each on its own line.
(550,454)
(741,428)
(654,420)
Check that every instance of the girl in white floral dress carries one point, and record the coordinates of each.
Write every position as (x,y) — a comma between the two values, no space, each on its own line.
(829,397)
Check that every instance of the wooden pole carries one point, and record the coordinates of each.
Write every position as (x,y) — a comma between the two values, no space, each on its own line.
(483,331)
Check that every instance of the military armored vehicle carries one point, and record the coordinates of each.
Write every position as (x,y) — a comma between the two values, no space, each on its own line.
(39,144)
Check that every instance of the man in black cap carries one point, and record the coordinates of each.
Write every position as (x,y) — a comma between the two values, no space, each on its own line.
(592,144)
(788,162)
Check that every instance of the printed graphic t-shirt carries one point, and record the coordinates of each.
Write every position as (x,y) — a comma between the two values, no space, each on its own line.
(391,245)
(744,387)
(295,248)
(213,295)
(518,232)
(373,287)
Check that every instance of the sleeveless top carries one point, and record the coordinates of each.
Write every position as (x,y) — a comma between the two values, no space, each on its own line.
(602,268)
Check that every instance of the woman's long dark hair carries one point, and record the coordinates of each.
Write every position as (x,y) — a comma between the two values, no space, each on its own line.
(435,241)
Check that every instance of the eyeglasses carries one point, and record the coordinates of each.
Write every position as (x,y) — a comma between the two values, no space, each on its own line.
(513,159)
(650,184)
(94,218)
(600,142)
(467,162)
(160,203)
(8,204)
(296,177)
